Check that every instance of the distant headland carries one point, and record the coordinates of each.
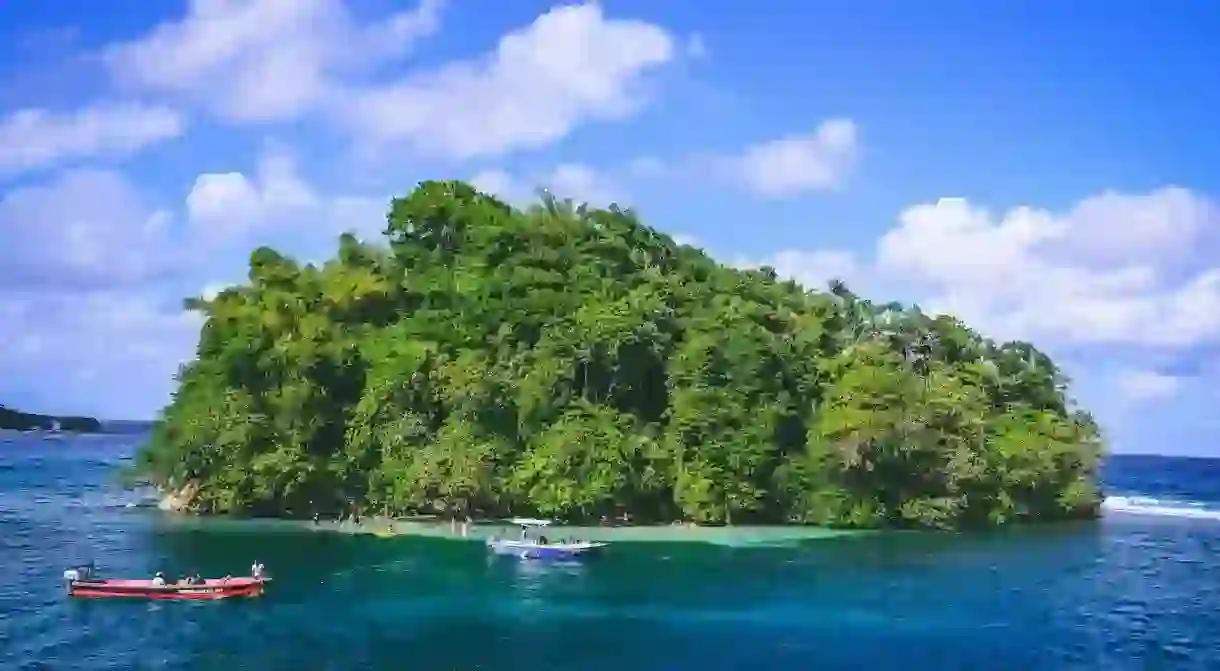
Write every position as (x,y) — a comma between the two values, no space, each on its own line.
(27,421)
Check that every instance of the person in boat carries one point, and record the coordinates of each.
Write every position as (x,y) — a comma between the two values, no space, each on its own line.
(158,579)
(256,569)
(194,578)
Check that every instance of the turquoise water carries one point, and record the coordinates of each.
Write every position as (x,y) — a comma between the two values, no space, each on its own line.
(1138,591)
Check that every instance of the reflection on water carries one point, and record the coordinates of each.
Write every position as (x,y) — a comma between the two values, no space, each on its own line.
(535,582)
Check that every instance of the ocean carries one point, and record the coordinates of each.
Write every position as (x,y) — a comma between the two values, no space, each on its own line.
(1139,590)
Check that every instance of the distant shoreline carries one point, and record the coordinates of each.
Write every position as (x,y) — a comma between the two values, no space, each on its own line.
(15,420)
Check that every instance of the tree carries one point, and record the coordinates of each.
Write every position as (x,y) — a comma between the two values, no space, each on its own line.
(572,362)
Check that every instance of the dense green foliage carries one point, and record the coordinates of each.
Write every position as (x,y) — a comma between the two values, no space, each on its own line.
(26,421)
(571,362)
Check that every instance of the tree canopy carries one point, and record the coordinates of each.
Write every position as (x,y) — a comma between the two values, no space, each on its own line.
(572,362)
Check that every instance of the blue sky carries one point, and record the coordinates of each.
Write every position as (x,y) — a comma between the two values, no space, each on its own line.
(1045,170)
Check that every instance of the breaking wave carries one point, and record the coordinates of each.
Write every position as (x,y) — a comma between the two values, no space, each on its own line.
(1160,507)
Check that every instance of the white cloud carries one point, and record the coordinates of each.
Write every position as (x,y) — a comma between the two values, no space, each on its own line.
(797,164)
(1114,227)
(227,205)
(86,228)
(276,203)
(577,181)
(263,60)
(266,60)
(571,65)
(38,138)
(92,276)
(1145,386)
(811,269)
(1099,273)
(78,343)
(582,184)
(785,167)
(498,183)
(91,229)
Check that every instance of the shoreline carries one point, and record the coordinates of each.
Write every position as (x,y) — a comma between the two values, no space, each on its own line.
(481,530)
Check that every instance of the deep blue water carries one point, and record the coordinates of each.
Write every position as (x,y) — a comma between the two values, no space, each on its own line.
(1139,590)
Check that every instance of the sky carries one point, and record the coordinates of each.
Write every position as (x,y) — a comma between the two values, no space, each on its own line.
(1044,170)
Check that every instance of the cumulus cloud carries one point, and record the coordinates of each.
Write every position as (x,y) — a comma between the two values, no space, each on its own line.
(84,229)
(785,167)
(92,229)
(571,65)
(498,183)
(92,276)
(797,164)
(1108,270)
(227,214)
(77,343)
(228,205)
(266,60)
(38,138)
(580,182)
(1114,269)
(811,269)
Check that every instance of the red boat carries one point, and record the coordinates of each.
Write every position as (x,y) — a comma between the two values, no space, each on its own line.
(81,583)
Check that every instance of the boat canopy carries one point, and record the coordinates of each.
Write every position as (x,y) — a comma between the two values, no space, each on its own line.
(530,522)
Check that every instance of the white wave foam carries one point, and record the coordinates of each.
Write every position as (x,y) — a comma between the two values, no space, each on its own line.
(1146,505)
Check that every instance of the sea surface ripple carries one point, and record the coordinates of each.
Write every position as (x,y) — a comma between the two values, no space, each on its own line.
(1140,590)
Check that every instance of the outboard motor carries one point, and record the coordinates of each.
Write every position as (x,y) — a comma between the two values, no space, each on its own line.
(70,577)
(79,574)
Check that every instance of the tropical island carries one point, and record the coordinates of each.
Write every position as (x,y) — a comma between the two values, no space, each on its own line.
(573,363)
(15,420)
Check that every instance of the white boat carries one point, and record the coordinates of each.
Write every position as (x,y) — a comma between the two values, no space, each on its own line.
(539,546)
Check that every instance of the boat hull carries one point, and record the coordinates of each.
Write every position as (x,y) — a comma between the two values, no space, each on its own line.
(560,551)
(145,589)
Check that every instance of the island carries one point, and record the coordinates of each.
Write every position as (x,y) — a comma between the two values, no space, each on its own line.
(571,362)
(15,420)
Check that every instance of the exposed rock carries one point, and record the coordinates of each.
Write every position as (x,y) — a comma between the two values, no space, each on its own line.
(181,499)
